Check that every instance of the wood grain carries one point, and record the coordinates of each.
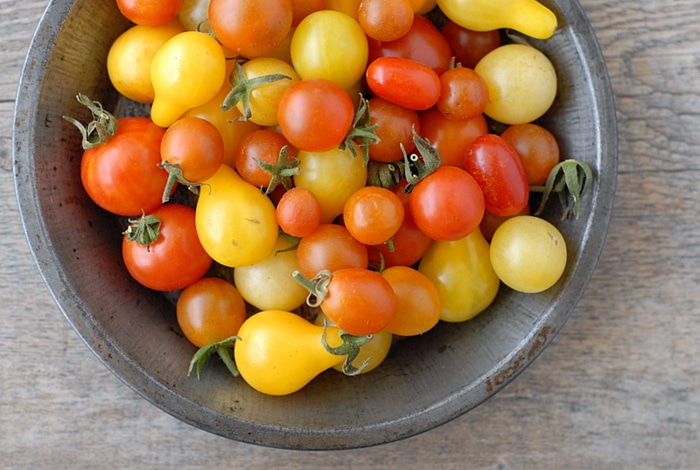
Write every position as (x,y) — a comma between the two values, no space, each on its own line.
(617,388)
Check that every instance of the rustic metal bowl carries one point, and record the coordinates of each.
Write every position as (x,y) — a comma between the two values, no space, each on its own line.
(425,382)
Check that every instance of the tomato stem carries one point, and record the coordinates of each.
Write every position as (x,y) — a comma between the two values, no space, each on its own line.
(419,165)
(144,230)
(222,349)
(317,286)
(362,133)
(282,171)
(350,348)
(243,87)
(102,127)
(570,179)
(175,176)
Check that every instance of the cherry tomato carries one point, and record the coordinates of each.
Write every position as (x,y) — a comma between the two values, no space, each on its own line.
(538,150)
(522,83)
(404,82)
(385,20)
(470,46)
(250,29)
(235,221)
(315,114)
(195,145)
(298,212)
(498,170)
(330,247)
(261,145)
(464,94)
(462,272)
(278,352)
(122,175)
(175,259)
(408,244)
(210,310)
(149,12)
(451,139)
(423,43)
(447,204)
(373,215)
(396,126)
(528,253)
(332,176)
(268,284)
(419,302)
(187,71)
(130,56)
(359,301)
(316,44)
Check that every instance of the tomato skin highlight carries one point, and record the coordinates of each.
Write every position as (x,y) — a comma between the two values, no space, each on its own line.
(404,82)
(176,259)
(497,167)
(122,175)
(448,204)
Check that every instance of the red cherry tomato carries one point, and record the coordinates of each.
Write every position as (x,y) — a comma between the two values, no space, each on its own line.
(373,215)
(330,247)
(464,94)
(496,166)
(122,175)
(176,259)
(451,139)
(359,301)
(423,43)
(470,46)
(447,204)
(538,150)
(150,12)
(315,114)
(404,82)
(396,126)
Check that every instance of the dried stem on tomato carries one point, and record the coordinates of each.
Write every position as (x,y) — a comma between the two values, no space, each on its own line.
(102,127)
(570,179)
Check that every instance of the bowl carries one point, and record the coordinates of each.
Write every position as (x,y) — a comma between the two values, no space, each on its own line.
(425,382)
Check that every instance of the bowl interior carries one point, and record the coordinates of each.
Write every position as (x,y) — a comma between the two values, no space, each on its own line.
(425,382)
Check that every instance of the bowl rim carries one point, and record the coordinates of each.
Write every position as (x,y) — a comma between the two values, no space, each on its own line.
(165,398)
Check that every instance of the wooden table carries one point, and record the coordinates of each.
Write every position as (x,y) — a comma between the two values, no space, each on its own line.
(619,387)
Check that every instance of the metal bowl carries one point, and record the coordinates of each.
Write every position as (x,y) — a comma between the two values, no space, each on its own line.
(425,382)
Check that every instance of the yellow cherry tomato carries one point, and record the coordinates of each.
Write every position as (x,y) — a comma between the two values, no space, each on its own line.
(333,176)
(529,17)
(187,71)
(278,352)
(528,253)
(522,83)
(235,222)
(268,284)
(130,56)
(316,44)
(462,272)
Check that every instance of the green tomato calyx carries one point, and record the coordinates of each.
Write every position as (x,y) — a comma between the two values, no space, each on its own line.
(350,348)
(419,165)
(570,179)
(317,286)
(243,87)
(222,348)
(102,127)
(362,133)
(144,230)
(282,171)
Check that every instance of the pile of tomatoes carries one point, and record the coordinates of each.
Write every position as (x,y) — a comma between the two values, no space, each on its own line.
(341,173)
